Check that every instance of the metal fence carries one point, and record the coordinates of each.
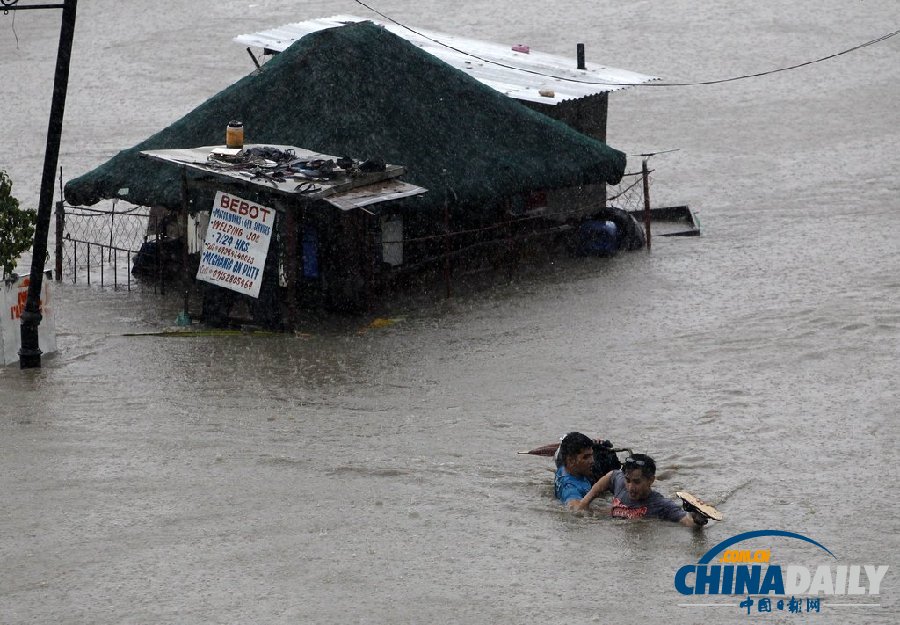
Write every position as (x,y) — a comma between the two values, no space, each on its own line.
(98,247)
(629,193)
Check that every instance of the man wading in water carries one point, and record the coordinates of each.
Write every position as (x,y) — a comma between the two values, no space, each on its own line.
(574,475)
(633,497)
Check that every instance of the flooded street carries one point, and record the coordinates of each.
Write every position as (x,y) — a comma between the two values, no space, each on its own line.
(356,475)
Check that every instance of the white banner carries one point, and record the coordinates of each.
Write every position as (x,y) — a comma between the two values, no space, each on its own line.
(237,241)
(12,299)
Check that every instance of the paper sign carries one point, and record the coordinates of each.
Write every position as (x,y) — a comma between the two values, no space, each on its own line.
(236,244)
(13,296)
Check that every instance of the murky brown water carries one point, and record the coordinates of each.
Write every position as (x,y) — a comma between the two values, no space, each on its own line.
(371,477)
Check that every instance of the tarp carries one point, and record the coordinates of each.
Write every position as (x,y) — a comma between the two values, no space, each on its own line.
(363,92)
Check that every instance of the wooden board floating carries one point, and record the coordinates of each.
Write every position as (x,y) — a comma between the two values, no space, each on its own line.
(695,503)
(208,332)
(543,450)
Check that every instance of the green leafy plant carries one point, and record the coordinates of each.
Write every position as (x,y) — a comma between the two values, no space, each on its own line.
(16,226)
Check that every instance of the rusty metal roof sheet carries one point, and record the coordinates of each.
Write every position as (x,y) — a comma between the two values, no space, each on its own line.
(532,75)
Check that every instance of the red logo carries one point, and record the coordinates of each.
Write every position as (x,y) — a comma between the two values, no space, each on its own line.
(621,511)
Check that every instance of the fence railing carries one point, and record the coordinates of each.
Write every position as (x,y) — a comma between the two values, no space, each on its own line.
(99,247)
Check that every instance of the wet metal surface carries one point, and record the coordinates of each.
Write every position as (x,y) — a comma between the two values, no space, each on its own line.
(529,75)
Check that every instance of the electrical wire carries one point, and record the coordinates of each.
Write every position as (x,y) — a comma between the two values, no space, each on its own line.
(13,24)
(871,42)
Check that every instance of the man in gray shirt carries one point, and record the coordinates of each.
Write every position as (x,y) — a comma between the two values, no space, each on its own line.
(633,497)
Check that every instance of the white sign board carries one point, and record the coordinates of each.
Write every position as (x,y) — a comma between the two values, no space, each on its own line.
(236,244)
(12,300)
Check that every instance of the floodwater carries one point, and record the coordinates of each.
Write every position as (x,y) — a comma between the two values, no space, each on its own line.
(351,476)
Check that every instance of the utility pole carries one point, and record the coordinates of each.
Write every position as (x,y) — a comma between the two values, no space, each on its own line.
(29,352)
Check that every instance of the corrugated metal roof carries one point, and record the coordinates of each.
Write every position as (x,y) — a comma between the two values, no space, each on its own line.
(519,75)
(344,191)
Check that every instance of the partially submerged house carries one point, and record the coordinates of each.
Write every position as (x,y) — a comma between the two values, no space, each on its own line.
(360,91)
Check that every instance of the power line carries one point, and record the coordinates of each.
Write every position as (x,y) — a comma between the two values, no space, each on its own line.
(871,42)
(649,154)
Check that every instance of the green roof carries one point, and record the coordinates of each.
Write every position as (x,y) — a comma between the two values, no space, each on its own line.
(363,92)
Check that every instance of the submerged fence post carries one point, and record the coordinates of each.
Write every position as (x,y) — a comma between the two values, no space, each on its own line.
(112,228)
(159,276)
(646,175)
(58,247)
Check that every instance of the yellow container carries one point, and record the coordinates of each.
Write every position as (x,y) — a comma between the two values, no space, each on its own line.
(234,135)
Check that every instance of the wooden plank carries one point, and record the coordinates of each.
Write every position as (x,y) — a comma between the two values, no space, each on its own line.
(360,179)
(667,213)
